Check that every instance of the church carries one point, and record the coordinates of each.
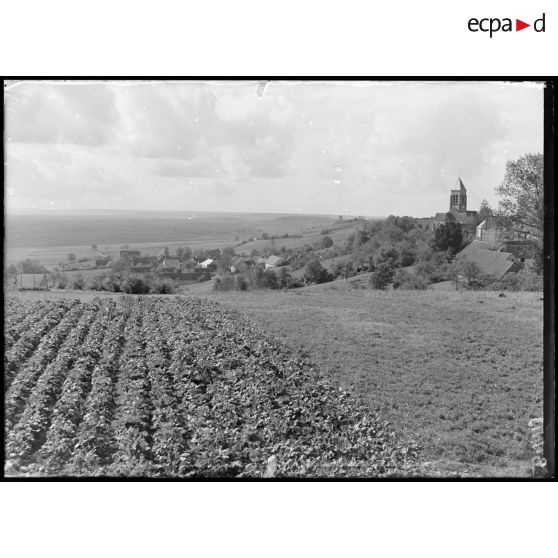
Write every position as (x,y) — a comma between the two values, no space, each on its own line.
(457,213)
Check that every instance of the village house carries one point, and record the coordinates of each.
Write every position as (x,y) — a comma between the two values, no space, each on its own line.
(170,264)
(487,232)
(208,264)
(275,261)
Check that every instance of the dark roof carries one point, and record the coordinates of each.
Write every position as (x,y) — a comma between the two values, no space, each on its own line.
(490,262)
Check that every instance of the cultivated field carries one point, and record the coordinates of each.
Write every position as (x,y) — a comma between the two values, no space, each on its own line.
(460,371)
(49,238)
(172,386)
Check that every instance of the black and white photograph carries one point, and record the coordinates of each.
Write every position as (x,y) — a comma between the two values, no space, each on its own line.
(274,279)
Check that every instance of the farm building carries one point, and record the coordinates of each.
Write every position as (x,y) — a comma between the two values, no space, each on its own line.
(207,263)
(487,232)
(170,264)
(275,261)
(490,262)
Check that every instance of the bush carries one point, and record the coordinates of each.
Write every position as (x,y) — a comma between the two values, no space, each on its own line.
(316,272)
(409,281)
(240,283)
(135,285)
(59,280)
(526,279)
(163,286)
(223,283)
(77,282)
(381,278)
(270,279)
(468,274)
(284,278)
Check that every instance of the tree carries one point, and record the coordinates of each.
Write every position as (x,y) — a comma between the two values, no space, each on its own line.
(326,242)
(71,257)
(31,266)
(166,251)
(485,211)
(185,252)
(283,278)
(227,256)
(521,204)
(270,279)
(348,270)
(315,272)
(381,278)
(468,273)
(94,247)
(448,236)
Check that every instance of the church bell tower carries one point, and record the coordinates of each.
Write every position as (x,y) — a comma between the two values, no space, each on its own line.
(458,198)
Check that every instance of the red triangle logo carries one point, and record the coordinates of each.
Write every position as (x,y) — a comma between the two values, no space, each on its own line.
(519,25)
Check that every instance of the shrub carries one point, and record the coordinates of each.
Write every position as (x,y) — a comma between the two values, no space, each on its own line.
(326,242)
(526,279)
(409,281)
(468,274)
(382,276)
(316,272)
(163,286)
(270,279)
(77,282)
(240,283)
(223,283)
(60,280)
(284,278)
(135,285)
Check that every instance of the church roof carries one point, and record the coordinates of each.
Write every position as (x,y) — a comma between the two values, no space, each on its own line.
(459,185)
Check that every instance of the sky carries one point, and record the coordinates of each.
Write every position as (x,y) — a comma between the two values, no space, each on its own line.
(350,148)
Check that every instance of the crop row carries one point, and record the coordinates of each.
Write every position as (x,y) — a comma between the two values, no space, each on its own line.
(23,338)
(183,387)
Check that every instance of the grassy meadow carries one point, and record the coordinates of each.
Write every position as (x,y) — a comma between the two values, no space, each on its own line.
(460,372)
